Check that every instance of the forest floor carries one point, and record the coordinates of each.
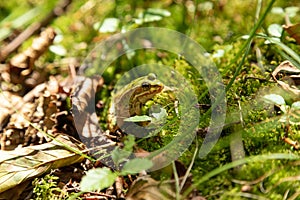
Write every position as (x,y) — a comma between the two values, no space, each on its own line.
(171,99)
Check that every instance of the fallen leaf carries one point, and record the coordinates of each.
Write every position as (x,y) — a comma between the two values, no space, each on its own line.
(290,80)
(150,189)
(293,31)
(26,163)
(85,117)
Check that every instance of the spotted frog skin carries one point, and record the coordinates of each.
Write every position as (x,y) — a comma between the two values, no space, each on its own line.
(129,100)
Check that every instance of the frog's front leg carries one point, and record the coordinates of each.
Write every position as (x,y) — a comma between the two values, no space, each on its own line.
(136,108)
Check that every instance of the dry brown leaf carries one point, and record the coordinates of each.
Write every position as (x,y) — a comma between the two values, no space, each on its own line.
(150,189)
(84,92)
(83,101)
(10,101)
(35,93)
(285,66)
(85,117)
(4,117)
(288,82)
(41,107)
(294,31)
(15,192)
(26,163)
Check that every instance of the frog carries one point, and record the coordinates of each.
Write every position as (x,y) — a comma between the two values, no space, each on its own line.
(129,100)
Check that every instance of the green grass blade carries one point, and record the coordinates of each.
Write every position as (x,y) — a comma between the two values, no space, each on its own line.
(275,156)
(285,48)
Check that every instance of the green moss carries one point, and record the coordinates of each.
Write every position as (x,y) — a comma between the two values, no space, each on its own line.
(219,30)
(46,188)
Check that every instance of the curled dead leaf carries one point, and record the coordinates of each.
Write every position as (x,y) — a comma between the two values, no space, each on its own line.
(288,77)
(45,106)
(294,31)
(150,189)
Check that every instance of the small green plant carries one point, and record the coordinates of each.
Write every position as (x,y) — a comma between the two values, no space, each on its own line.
(101,178)
(291,115)
(288,11)
(46,188)
(110,25)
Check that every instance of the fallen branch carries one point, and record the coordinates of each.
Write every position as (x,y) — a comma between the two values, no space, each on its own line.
(34,29)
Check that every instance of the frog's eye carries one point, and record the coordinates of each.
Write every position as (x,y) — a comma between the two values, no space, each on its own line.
(151,76)
(146,85)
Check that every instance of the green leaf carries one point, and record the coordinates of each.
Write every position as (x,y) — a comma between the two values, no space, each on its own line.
(137,118)
(284,108)
(296,105)
(284,47)
(129,143)
(147,18)
(278,11)
(118,155)
(219,53)
(291,11)
(58,38)
(275,30)
(272,40)
(152,15)
(58,50)
(283,119)
(274,98)
(245,37)
(109,25)
(295,113)
(97,179)
(136,165)
(160,115)
(158,11)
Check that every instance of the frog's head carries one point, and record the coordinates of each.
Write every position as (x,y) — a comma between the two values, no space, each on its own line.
(150,82)
(146,87)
